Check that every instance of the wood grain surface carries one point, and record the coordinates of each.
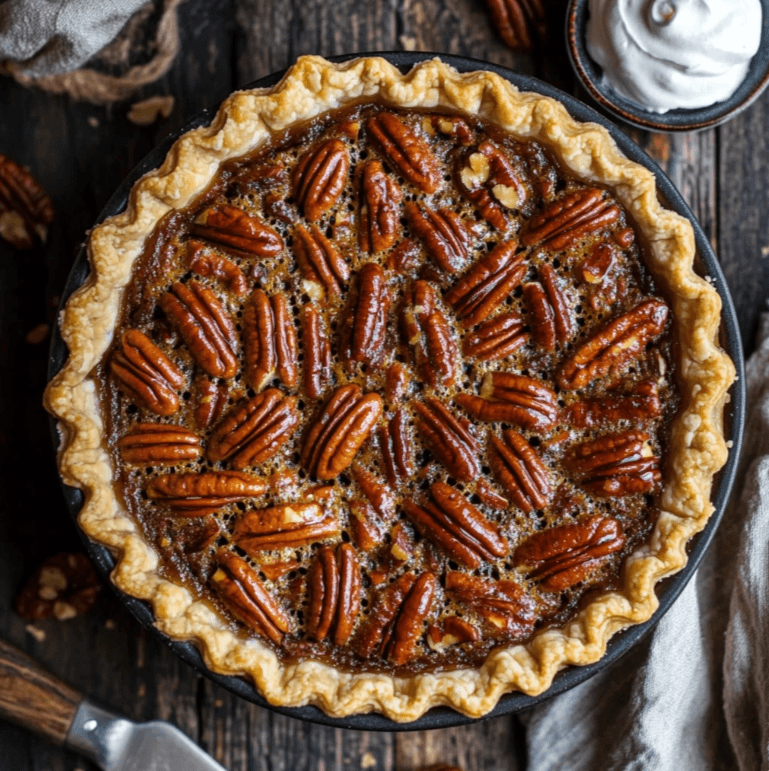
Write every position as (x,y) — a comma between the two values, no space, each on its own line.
(80,153)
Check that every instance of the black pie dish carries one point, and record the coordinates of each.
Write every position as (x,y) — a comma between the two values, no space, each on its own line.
(591,76)
(444,717)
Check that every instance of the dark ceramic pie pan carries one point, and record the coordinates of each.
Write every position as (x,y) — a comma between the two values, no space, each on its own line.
(591,76)
(442,717)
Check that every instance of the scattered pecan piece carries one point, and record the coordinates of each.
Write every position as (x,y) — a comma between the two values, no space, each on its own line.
(449,438)
(570,218)
(496,338)
(520,471)
(487,283)
(563,556)
(643,403)
(334,594)
(211,401)
(379,220)
(148,375)
(443,234)
(339,431)
(451,630)
(396,383)
(377,493)
(363,329)
(490,496)
(502,604)
(269,338)
(513,399)
(190,536)
(235,230)
(26,211)
(454,127)
(616,464)
(195,495)
(205,327)
(435,351)
(405,257)
(246,597)
(286,526)
(210,265)
(322,267)
(63,586)
(319,178)
(276,570)
(149,443)
(549,313)
(613,348)
(395,446)
(518,22)
(365,525)
(598,263)
(407,152)
(254,430)
(624,238)
(317,352)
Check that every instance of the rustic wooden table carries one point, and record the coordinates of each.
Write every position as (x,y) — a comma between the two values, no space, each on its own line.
(80,153)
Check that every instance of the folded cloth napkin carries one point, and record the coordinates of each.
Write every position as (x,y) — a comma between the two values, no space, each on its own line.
(695,695)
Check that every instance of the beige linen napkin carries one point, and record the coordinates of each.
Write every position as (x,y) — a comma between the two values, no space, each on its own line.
(695,695)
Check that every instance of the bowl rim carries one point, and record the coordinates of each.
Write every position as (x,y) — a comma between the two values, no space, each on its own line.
(668,590)
(589,74)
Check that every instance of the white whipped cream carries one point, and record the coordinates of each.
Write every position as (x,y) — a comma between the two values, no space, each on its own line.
(665,54)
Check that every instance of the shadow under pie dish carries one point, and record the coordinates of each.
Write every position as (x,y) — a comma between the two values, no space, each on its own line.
(406,392)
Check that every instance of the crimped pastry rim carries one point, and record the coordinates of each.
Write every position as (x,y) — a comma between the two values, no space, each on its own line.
(697,446)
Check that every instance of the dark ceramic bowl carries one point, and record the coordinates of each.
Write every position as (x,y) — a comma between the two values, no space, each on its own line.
(443,717)
(591,76)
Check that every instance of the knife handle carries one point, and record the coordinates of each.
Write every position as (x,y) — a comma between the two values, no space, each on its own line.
(33,698)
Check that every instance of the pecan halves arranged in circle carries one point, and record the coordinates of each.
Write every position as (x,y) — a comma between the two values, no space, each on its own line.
(198,494)
(322,267)
(209,265)
(487,284)
(408,153)
(643,403)
(560,557)
(496,338)
(149,443)
(549,312)
(569,219)
(488,180)
(379,219)
(236,231)
(205,327)
(269,339)
(210,402)
(395,446)
(613,348)
(340,430)
(513,399)
(148,375)
(363,329)
(26,211)
(616,464)
(435,351)
(333,588)
(319,178)
(520,471)
(254,430)
(449,438)
(246,597)
(287,526)
(518,22)
(443,234)
(450,521)
(317,352)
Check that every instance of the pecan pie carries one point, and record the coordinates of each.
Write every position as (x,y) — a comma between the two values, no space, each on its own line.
(393,391)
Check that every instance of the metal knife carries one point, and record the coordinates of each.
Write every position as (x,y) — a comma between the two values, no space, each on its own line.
(33,698)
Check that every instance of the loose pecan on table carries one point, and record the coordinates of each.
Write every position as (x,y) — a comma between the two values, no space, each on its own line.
(519,22)
(323,269)
(549,312)
(560,557)
(148,443)
(269,339)
(451,630)
(379,219)
(496,338)
(26,211)
(610,350)
(333,587)
(148,375)
(395,446)
(443,234)
(317,352)
(642,403)
(513,399)
(520,471)
(319,178)
(209,265)
(198,494)
(205,327)
(450,521)
(236,231)
(339,431)
(487,284)
(408,153)
(210,401)
(286,526)
(246,597)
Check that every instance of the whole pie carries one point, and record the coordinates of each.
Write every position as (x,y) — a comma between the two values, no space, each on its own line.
(393,391)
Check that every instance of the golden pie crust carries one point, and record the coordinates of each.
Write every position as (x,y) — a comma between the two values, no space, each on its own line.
(247,120)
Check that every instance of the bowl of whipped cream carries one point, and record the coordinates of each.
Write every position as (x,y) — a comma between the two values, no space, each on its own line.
(671,65)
